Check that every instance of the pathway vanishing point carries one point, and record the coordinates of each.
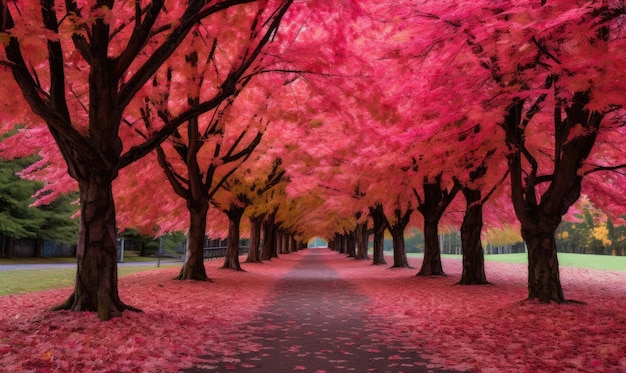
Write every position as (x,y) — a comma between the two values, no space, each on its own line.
(317,323)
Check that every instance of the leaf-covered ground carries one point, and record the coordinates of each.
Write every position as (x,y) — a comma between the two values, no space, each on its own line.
(484,328)
(491,329)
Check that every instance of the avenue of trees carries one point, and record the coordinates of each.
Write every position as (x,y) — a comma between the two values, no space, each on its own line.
(292,119)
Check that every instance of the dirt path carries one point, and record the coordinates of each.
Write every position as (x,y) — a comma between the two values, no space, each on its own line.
(316,323)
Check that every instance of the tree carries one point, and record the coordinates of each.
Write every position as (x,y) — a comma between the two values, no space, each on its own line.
(20,219)
(436,198)
(244,188)
(555,82)
(92,66)
(378,216)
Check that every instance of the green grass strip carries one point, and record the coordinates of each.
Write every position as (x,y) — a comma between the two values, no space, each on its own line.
(600,262)
(30,280)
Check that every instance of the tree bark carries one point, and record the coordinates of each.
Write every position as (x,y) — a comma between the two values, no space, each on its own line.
(293,245)
(10,247)
(38,247)
(254,253)
(279,241)
(544,282)
(193,267)
(351,244)
(142,249)
(269,241)
(343,247)
(397,234)
(96,289)
(540,218)
(471,228)
(286,240)
(379,234)
(399,248)
(234,214)
(361,241)
(435,202)
(431,266)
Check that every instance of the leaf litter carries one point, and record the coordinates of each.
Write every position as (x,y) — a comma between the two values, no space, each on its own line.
(473,328)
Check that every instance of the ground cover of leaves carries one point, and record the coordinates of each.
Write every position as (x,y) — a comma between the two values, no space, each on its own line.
(478,328)
(490,328)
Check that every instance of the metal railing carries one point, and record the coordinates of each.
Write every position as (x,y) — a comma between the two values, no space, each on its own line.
(220,252)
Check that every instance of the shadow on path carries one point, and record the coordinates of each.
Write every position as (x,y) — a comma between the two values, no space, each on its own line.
(316,323)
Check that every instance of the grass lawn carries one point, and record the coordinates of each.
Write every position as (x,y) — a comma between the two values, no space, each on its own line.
(602,262)
(29,280)
(129,256)
(605,262)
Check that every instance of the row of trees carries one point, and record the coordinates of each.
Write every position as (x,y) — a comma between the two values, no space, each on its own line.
(318,119)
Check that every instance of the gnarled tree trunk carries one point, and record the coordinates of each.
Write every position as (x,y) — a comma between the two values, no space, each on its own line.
(96,289)
(234,214)
(435,202)
(544,281)
(399,248)
(431,266)
(539,218)
(471,228)
(397,233)
(193,267)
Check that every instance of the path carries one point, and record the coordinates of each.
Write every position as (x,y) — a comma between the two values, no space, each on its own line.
(316,323)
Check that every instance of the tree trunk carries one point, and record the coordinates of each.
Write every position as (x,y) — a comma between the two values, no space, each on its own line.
(10,247)
(293,244)
(254,253)
(397,233)
(544,281)
(286,239)
(361,241)
(269,241)
(379,234)
(436,200)
(95,289)
(431,266)
(279,241)
(540,217)
(471,228)
(234,214)
(142,248)
(193,268)
(399,249)
(351,244)
(38,247)
(343,247)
